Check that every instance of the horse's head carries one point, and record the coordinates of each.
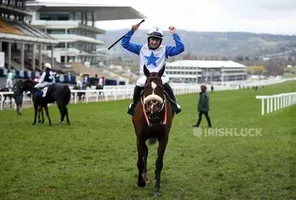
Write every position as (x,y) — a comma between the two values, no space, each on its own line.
(21,86)
(18,89)
(153,91)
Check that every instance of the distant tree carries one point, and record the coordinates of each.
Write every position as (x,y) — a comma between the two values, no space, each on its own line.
(239,58)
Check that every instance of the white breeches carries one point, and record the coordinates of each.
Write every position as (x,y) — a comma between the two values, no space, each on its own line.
(9,83)
(43,84)
(141,81)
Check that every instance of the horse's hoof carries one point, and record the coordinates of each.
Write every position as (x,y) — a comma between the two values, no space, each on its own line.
(49,123)
(33,123)
(141,183)
(157,194)
(42,122)
(146,178)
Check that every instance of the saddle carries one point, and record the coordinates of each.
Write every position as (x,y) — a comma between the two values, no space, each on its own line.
(42,92)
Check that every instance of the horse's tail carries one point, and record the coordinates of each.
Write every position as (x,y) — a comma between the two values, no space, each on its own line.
(152,141)
(67,95)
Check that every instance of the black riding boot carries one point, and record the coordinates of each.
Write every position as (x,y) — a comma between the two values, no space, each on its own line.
(137,93)
(170,92)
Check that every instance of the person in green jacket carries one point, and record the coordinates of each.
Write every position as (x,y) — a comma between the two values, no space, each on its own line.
(203,107)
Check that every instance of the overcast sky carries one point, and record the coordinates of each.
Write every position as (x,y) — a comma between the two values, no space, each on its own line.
(259,16)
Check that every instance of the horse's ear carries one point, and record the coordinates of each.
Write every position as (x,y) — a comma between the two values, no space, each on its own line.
(146,71)
(160,73)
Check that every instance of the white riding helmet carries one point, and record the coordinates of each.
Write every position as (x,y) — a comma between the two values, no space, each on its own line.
(155,32)
(47,65)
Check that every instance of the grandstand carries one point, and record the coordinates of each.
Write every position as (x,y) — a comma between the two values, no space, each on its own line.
(73,25)
(26,47)
(18,39)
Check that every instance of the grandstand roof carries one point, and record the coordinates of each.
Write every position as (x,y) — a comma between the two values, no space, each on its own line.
(71,24)
(13,10)
(20,31)
(101,12)
(206,64)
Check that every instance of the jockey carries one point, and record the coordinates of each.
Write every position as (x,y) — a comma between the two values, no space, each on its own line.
(46,78)
(9,80)
(154,56)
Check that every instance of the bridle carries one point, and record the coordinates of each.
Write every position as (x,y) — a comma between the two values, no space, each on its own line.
(153,105)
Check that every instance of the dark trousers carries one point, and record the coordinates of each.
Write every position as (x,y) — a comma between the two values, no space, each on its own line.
(206,114)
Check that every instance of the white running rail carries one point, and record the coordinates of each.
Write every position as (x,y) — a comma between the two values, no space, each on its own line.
(276,102)
(126,91)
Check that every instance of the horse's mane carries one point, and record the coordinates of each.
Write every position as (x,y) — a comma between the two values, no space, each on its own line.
(29,81)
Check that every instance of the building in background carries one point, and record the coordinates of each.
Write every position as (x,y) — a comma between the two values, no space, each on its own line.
(205,71)
(73,26)
(19,40)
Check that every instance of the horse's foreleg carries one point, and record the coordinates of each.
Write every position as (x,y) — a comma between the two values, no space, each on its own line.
(159,164)
(40,112)
(47,114)
(140,163)
(35,114)
(145,156)
(42,122)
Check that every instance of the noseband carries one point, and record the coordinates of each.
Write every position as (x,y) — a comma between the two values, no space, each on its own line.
(153,106)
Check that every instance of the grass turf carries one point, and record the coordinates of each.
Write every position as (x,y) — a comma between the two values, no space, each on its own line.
(95,157)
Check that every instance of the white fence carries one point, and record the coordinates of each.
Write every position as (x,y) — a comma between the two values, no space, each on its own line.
(126,91)
(117,92)
(276,102)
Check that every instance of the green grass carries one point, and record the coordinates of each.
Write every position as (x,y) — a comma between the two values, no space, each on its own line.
(95,157)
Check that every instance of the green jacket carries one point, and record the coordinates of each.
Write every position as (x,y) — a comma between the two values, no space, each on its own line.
(203,103)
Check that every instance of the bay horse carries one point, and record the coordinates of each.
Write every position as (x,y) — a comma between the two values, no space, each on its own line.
(152,121)
(57,92)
